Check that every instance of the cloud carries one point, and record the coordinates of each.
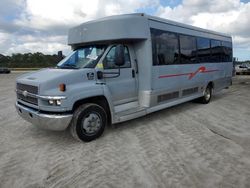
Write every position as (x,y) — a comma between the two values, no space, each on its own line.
(5,41)
(7,26)
(45,47)
(8,7)
(31,43)
(212,6)
(49,15)
(40,21)
(194,8)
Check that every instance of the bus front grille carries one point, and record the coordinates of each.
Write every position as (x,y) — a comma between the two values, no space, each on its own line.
(27,88)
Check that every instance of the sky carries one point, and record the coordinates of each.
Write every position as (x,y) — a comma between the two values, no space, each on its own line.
(42,25)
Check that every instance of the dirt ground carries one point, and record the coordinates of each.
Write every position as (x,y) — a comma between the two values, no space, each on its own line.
(189,145)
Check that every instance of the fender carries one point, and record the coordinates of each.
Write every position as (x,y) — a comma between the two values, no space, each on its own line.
(89,90)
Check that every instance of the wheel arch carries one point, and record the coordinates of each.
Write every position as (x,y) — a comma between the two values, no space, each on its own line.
(211,84)
(99,100)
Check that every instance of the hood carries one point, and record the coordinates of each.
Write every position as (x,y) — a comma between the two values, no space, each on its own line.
(50,78)
(43,75)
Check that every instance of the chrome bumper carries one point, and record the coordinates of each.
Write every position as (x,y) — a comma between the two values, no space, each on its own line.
(44,121)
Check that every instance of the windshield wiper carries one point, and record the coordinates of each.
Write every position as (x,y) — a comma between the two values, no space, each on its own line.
(67,66)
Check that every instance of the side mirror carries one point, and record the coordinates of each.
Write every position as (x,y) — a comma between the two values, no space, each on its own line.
(119,55)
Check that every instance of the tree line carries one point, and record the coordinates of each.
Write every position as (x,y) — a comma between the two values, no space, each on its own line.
(30,60)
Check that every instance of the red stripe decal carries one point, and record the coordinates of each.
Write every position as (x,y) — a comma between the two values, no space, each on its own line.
(190,74)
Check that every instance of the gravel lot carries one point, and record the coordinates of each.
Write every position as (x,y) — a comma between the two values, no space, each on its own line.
(189,145)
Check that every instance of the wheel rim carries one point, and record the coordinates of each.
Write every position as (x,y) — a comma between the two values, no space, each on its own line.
(207,94)
(91,123)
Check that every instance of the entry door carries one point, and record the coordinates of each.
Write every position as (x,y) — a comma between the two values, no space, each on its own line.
(123,88)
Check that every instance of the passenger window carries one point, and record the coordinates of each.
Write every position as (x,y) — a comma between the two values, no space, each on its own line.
(216,51)
(109,60)
(165,47)
(203,50)
(227,51)
(187,49)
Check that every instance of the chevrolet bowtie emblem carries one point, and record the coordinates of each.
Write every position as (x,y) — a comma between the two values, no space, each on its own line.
(25,93)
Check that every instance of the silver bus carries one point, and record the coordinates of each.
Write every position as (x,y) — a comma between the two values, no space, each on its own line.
(124,67)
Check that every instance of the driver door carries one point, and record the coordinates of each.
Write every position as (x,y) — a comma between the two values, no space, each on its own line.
(123,88)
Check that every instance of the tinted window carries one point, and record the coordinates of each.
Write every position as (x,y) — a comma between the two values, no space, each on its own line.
(172,48)
(109,60)
(227,53)
(216,51)
(188,49)
(164,47)
(203,50)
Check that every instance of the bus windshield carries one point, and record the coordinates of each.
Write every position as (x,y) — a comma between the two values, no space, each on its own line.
(85,57)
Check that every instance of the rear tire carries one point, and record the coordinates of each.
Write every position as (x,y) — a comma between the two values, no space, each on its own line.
(205,99)
(88,122)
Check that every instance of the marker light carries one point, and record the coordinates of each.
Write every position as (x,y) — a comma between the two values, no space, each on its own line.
(62,87)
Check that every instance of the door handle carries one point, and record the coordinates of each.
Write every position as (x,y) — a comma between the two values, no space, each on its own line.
(133,73)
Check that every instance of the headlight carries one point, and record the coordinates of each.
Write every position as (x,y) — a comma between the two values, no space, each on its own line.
(56,102)
(51,102)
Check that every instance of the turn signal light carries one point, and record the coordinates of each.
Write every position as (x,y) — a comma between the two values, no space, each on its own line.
(62,87)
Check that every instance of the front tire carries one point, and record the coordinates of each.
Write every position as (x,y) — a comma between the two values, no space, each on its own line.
(88,122)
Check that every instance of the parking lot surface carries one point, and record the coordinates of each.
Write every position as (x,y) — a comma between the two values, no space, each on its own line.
(189,145)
